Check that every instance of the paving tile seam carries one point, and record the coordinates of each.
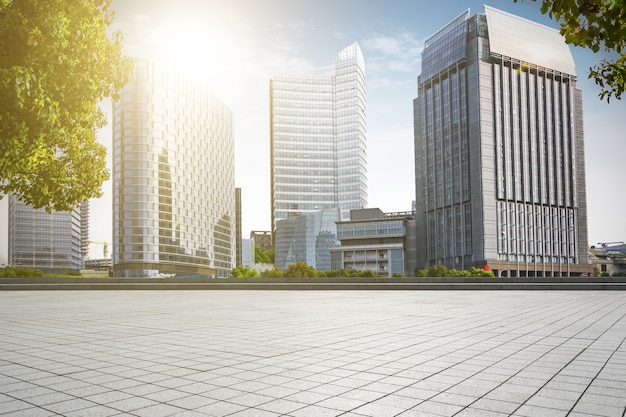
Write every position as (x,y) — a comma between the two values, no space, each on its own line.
(572,360)
(460,325)
(355,362)
(434,347)
(111,390)
(528,365)
(469,377)
(460,348)
(602,368)
(44,406)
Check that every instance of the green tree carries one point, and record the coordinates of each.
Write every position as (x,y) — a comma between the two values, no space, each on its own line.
(272,273)
(261,256)
(300,270)
(56,64)
(598,25)
(242,271)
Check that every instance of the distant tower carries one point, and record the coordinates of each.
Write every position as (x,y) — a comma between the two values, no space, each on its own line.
(173,178)
(318,140)
(238,231)
(84,229)
(499,152)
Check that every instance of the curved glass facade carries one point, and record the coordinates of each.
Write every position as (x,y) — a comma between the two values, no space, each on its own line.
(173,178)
(318,140)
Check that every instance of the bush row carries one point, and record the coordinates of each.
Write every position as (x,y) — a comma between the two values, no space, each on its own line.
(302,270)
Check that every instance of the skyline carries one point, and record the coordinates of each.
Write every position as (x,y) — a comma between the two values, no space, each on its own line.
(256,42)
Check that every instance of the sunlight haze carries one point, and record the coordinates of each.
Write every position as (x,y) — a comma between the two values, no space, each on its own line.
(235,47)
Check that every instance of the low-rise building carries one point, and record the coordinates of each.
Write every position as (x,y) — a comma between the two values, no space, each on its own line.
(33,238)
(307,238)
(381,242)
(610,260)
(261,239)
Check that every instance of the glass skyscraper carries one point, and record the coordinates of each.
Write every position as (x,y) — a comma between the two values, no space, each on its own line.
(499,152)
(173,178)
(307,238)
(318,140)
(49,242)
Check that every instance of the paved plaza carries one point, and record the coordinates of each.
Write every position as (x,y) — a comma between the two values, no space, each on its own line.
(312,353)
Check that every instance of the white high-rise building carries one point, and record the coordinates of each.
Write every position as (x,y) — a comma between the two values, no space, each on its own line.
(318,140)
(173,178)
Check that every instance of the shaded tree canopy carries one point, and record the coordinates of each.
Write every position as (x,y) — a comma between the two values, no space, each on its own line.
(300,270)
(56,64)
(598,25)
(263,257)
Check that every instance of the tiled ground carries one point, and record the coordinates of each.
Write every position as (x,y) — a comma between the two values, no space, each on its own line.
(312,353)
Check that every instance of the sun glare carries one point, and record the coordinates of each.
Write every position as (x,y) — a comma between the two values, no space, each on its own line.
(188,47)
(204,52)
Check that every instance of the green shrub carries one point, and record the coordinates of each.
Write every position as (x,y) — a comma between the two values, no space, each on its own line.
(242,271)
(12,272)
(442,271)
(300,270)
(272,273)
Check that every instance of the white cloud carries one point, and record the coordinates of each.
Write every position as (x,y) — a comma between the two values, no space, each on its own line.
(339,35)
(392,62)
(404,45)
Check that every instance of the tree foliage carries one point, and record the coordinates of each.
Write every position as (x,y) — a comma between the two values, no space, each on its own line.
(242,271)
(263,257)
(300,270)
(12,272)
(598,25)
(272,273)
(442,271)
(56,64)
(303,270)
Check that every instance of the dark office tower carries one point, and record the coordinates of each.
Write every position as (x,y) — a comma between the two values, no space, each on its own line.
(173,178)
(499,155)
(318,140)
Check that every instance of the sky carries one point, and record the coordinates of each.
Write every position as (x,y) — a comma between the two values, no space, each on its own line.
(235,47)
